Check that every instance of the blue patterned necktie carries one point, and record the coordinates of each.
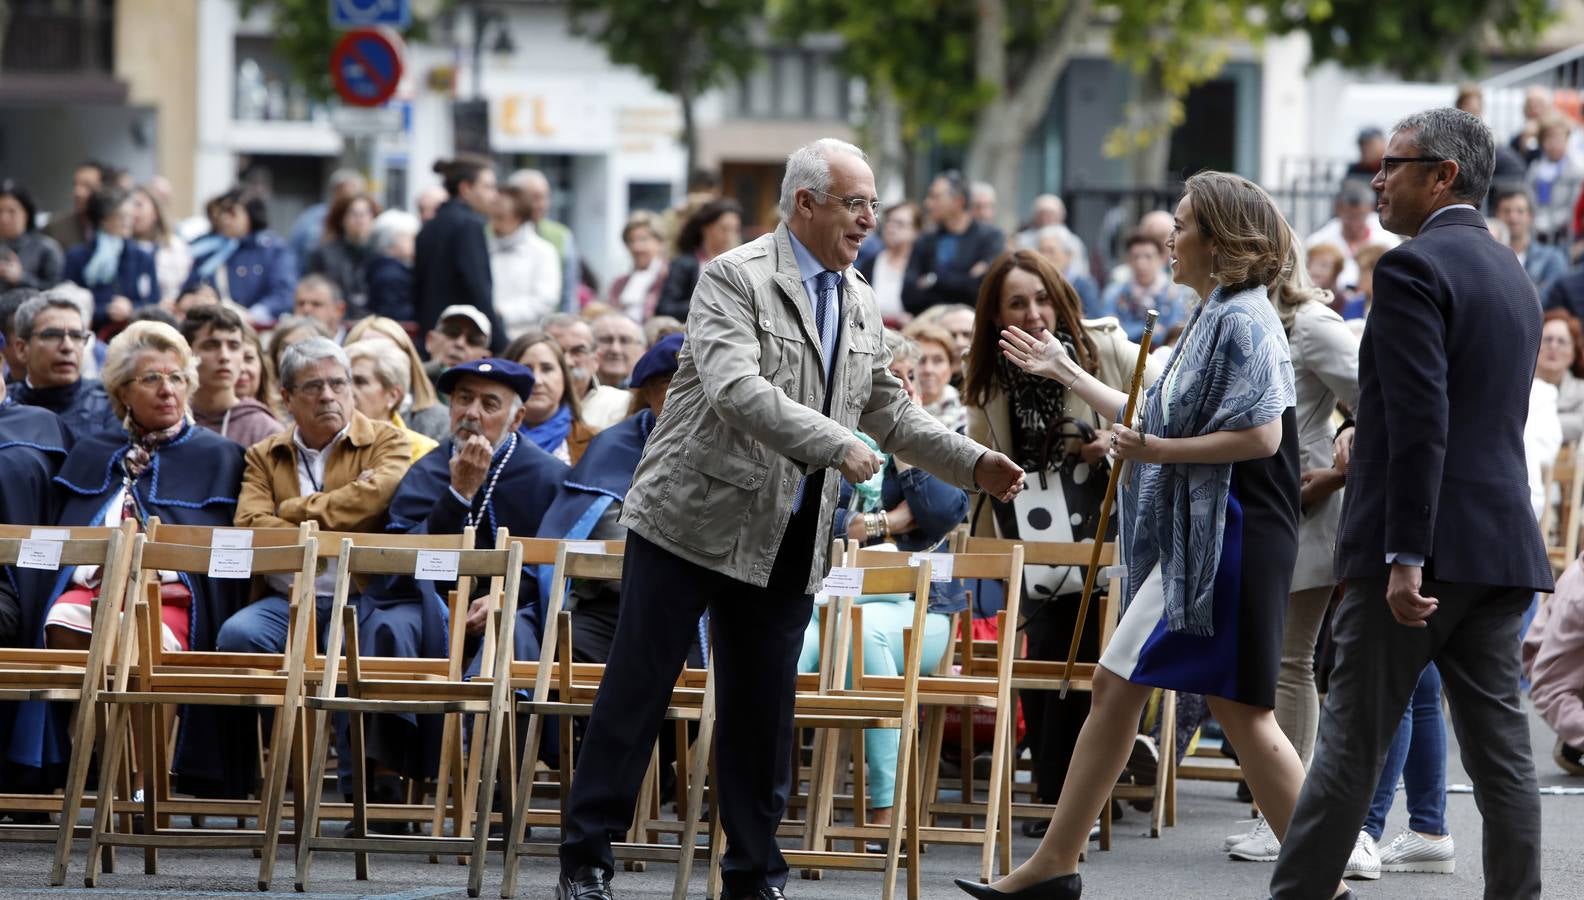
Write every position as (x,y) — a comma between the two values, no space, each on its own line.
(824,294)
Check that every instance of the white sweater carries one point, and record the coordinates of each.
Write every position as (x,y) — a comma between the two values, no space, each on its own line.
(527,274)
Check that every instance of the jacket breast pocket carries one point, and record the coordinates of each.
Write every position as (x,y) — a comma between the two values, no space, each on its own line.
(710,498)
(862,350)
(789,345)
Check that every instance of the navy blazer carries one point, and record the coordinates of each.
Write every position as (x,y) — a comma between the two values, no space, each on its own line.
(1438,458)
(981,243)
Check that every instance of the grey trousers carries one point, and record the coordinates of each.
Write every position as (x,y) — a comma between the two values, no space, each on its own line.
(1473,639)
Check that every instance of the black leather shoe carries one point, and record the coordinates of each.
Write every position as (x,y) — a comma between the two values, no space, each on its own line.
(1062,887)
(770,892)
(585,884)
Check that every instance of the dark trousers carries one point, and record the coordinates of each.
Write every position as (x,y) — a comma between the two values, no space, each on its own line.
(1054,722)
(757,634)
(1473,639)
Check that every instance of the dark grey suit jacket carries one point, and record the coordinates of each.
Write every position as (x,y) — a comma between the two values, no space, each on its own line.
(1445,368)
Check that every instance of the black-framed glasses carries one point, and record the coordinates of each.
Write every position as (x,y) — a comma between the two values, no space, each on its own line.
(1388,161)
(855,205)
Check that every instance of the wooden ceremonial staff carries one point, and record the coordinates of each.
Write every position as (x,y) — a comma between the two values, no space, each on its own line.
(1105,505)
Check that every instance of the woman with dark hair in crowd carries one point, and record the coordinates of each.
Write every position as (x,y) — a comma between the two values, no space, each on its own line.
(118,272)
(714,229)
(242,260)
(172,257)
(1561,363)
(452,262)
(346,250)
(552,415)
(1047,429)
(28,256)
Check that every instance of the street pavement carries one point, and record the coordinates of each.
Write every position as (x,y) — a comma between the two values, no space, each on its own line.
(1185,864)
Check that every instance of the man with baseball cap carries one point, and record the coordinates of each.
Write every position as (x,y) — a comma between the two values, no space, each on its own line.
(461,334)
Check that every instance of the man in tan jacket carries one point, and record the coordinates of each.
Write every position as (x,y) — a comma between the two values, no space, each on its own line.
(730,510)
(334,467)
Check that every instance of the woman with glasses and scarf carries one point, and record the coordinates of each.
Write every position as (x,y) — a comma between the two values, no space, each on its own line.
(162,466)
(1049,430)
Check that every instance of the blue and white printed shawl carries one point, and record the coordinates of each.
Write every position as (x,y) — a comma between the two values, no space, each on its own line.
(1231,372)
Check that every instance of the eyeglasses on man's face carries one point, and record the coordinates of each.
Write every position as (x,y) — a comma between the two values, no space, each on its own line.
(1388,161)
(472,336)
(57,335)
(316,387)
(854,205)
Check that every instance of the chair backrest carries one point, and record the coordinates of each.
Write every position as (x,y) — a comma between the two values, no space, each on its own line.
(1075,554)
(1005,567)
(149,558)
(205,535)
(109,548)
(502,567)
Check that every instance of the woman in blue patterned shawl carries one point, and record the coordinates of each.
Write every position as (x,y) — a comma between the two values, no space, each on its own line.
(1209,523)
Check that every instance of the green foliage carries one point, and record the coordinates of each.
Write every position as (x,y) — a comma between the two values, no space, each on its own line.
(304,39)
(1414,38)
(685,46)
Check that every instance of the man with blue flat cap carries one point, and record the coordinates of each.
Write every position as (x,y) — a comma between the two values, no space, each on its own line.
(484,475)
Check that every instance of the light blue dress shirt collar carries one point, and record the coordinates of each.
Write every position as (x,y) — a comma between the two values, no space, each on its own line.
(809,268)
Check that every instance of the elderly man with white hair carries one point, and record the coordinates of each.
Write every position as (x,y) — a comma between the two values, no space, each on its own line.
(731,510)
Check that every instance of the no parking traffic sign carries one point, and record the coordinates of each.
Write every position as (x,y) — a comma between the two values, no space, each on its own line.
(366,66)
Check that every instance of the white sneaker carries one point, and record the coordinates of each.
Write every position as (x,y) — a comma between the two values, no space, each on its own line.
(1364,862)
(1261,845)
(1232,840)
(1411,851)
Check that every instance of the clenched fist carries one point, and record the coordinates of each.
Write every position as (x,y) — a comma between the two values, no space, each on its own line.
(859,463)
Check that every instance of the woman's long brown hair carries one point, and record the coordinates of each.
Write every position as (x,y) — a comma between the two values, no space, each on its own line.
(979,383)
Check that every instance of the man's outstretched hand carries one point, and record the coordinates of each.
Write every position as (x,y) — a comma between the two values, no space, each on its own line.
(998,476)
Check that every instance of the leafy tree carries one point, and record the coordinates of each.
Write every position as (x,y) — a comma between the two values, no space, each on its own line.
(1430,39)
(980,75)
(685,46)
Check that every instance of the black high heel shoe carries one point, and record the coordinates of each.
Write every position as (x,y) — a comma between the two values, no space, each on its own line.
(1062,887)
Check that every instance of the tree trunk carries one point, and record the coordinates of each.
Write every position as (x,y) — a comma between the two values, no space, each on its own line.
(890,157)
(1151,116)
(1003,126)
(686,91)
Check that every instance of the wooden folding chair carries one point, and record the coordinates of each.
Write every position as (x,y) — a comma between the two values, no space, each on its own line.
(147,679)
(983,682)
(878,706)
(1046,675)
(575,686)
(69,676)
(1559,521)
(485,695)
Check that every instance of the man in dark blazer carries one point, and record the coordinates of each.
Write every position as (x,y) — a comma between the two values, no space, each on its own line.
(1438,545)
(948,263)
